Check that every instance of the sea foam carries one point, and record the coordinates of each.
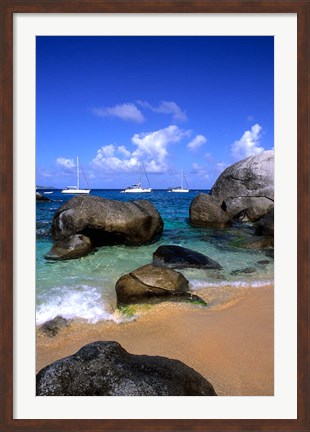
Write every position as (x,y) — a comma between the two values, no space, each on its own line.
(84,302)
(198,284)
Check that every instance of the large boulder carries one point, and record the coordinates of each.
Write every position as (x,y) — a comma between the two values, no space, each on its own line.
(206,211)
(106,369)
(152,283)
(74,247)
(250,177)
(180,257)
(107,222)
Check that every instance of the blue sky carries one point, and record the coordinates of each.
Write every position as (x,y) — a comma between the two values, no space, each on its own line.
(192,103)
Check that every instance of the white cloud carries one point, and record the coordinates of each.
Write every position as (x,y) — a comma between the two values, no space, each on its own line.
(65,163)
(123,151)
(151,148)
(126,111)
(248,144)
(166,107)
(197,142)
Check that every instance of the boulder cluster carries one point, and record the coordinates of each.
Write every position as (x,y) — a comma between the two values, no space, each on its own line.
(242,193)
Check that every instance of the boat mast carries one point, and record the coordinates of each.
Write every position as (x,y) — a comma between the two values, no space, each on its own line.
(181,179)
(147,177)
(77,173)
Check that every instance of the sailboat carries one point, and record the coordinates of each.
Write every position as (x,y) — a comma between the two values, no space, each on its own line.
(74,190)
(179,188)
(137,188)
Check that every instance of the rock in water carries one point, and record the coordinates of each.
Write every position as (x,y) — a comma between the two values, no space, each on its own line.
(74,247)
(51,328)
(106,369)
(153,283)
(250,177)
(40,197)
(206,211)
(107,222)
(180,257)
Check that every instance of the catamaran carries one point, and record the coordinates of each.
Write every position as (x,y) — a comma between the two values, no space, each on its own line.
(180,188)
(137,188)
(74,190)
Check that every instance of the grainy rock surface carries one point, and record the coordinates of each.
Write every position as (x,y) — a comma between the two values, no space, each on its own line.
(206,211)
(106,369)
(250,177)
(180,257)
(107,222)
(153,283)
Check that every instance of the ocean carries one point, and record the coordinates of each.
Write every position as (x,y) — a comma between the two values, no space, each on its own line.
(84,288)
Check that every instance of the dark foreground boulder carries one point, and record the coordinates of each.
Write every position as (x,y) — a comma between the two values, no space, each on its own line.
(180,257)
(206,211)
(106,369)
(153,283)
(103,222)
(74,247)
(250,177)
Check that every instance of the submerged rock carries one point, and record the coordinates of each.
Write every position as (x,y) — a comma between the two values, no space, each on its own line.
(51,328)
(105,222)
(247,270)
(106,369)
(153,283)
(250,177)
(257,242)
(206,211)
(74,247)
(180,257)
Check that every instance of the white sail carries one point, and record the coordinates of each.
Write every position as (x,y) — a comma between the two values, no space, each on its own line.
(180,189)
(75,190)
(137,188)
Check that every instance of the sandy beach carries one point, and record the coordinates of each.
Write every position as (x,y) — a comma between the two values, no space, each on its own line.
(232,345)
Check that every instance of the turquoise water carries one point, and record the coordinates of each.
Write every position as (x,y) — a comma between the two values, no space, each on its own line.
(84,288)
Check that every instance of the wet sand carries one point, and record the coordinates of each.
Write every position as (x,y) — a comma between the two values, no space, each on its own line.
(232,345)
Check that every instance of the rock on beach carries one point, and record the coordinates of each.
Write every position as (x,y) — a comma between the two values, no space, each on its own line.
(153,283)
(106,369)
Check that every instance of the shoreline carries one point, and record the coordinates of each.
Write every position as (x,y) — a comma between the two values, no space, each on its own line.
(231,345)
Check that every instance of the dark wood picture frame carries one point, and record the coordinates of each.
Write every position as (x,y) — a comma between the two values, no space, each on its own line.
(8,8)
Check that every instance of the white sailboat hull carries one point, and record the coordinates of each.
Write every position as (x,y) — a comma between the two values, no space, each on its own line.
(179,190)
(75,191)
(136,190)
